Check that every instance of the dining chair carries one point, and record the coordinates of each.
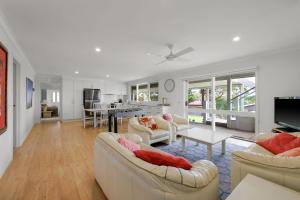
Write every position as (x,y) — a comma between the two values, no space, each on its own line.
(87,117)
(98,114)
(119,114)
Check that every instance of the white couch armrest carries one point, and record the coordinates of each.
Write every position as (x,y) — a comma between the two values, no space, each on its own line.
(205,170)
(284,163)
(133,137)
(264,136)
(180,120)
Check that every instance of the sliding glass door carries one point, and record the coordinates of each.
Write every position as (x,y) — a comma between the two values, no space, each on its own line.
(228,101)
(199,96)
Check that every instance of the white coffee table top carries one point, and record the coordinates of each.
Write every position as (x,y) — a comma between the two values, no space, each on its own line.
(252,187)
(204,135)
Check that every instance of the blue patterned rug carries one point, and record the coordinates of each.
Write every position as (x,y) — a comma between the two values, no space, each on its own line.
(194,153)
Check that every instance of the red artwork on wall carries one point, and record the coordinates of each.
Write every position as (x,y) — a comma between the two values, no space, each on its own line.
(3,89)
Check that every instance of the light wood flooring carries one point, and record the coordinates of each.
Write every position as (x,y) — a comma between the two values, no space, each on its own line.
(55,162)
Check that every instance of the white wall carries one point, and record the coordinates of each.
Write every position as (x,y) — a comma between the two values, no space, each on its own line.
(26,116)
(72,94)
(278,74)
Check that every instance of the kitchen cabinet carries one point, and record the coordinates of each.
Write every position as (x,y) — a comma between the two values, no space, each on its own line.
(72,94)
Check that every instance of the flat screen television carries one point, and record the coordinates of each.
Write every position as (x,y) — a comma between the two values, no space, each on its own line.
(287,111)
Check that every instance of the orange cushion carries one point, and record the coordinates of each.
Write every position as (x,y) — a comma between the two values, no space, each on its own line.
(280,143)
(154,126)
(145,120)
(291,153)
(165,159)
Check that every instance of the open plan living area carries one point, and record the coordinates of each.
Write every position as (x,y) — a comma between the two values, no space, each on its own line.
(149,100)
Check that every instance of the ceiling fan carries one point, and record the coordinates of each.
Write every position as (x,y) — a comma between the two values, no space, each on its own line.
(172,56)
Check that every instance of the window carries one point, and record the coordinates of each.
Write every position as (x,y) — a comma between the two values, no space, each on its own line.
(53,97)
(57,97)
(133,93)
(145,92)
(154,91)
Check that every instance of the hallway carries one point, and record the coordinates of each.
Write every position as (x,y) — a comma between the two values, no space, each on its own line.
(55,162)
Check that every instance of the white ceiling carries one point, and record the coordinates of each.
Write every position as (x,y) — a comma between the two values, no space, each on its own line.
(59,36)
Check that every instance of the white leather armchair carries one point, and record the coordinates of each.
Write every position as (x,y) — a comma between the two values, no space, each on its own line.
(149,136)
(179,124)
(260,162)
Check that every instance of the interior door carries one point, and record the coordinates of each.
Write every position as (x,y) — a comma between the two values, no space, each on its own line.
(16,68)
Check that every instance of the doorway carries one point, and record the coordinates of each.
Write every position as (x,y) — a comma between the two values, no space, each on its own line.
(16,102)
(50,104)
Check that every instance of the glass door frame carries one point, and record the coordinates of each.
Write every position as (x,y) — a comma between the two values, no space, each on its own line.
(213,111)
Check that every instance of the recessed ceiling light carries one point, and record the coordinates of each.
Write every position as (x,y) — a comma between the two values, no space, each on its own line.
(97,49)
(76,72)
(236,39)
(107,75)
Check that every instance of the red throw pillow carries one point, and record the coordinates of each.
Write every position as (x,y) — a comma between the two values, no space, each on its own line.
(165,159)
(167,117)
(293,144)
(131,146)
(279,143)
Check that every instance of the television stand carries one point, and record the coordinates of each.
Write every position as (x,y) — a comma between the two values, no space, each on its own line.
(284,129)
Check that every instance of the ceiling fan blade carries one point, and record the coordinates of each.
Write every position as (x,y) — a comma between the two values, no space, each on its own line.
(156,55)
(181,59)
(184,51)
(162,62)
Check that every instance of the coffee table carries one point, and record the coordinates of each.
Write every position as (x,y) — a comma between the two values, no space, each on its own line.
(253,187)
(208,137)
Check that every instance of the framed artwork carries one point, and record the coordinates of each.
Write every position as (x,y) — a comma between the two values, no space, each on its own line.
(29,93)
(3,89)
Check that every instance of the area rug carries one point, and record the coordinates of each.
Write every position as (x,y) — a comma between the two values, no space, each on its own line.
(193,153)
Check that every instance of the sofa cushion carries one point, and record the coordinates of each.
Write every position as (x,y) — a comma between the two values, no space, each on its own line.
(163,159)
(131,146)
(159,133)
(152,124)
(279,143)
(167,117)
(291,153)
(145,120)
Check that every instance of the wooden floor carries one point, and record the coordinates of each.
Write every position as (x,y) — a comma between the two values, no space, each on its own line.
(55,162)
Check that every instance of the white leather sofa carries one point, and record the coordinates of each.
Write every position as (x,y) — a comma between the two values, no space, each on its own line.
(260,162)
(121,175)
(163,133)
